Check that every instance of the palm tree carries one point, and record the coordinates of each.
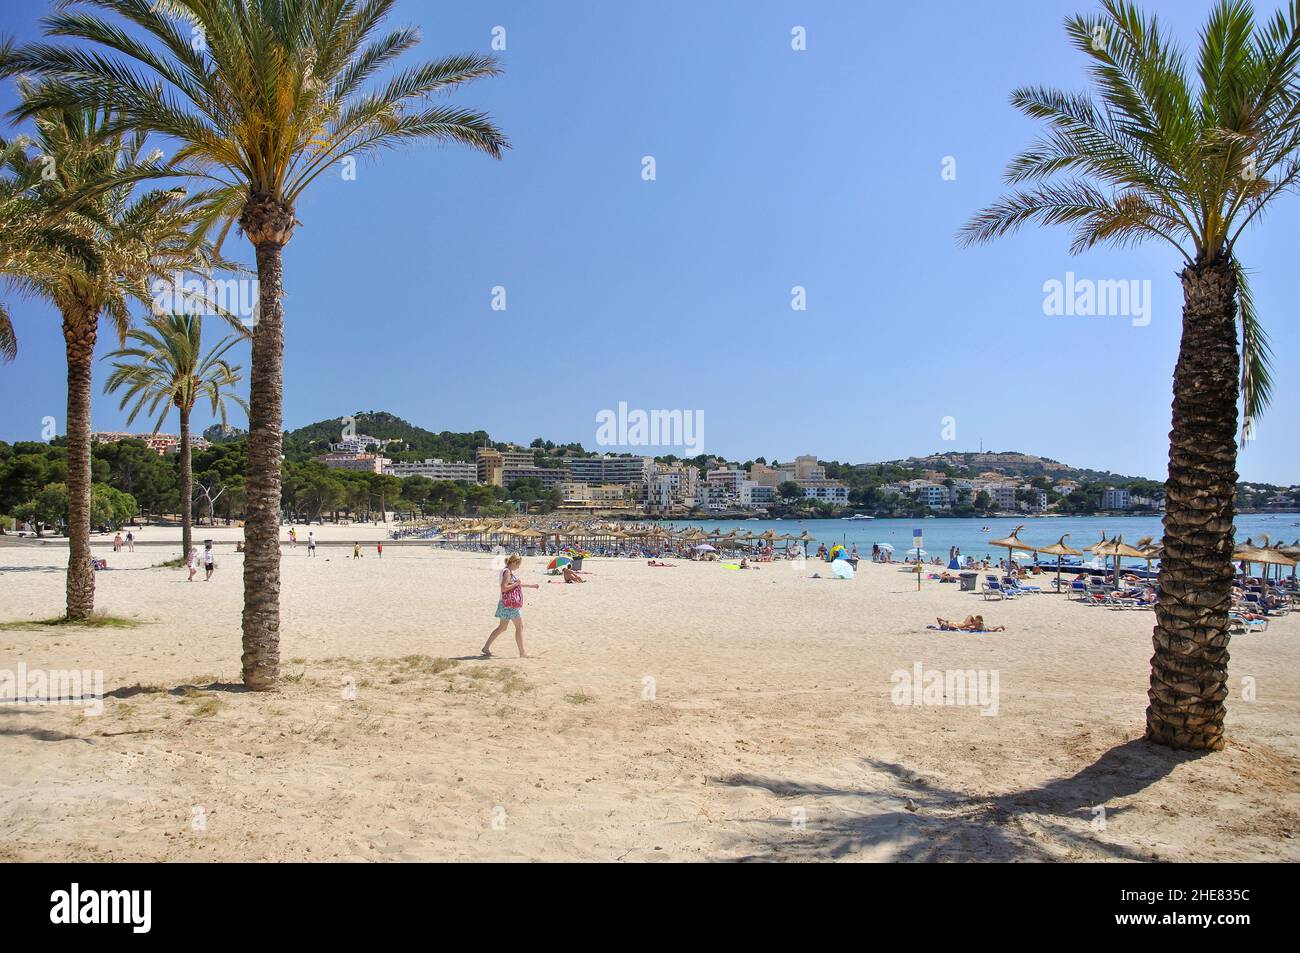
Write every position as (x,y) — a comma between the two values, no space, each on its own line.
(105,243)
(36,246)
(263,96)
(1191,164)
(166,368)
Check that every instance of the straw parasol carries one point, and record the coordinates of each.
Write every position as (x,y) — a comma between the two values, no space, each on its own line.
(1119,549)
(1266,555)
(1059,549)
(1013,542)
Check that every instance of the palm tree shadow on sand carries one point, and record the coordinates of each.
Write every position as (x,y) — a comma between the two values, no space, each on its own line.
(950,825)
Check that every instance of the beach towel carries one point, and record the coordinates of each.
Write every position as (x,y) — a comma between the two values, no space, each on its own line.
(938,628)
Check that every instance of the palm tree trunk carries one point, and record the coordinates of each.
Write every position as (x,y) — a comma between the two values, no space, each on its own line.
(187,486)
(1189,670)
(261,658)
(79,329)
(268,224)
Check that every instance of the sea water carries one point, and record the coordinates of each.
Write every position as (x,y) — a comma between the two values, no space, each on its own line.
(940,533)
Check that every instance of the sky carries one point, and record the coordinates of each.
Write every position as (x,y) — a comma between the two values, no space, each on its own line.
(774,169)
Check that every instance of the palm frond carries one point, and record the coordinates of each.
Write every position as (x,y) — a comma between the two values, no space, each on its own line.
(1256,356)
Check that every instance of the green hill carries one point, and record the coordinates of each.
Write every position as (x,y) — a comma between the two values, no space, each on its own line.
(402,440)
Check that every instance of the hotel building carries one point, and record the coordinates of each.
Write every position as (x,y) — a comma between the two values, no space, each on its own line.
(435,469)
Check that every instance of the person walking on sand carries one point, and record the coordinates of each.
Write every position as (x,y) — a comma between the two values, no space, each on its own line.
(130,541)
(510,606)
(293,538)
(117,543)
(379,549)
(209,563)
(356,550)
(311,543)
(192,563)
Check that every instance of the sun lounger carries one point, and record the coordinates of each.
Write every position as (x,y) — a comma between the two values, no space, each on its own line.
(1238,624)
(992,587)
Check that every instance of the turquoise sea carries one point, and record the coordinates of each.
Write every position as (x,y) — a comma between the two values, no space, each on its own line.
(940,533)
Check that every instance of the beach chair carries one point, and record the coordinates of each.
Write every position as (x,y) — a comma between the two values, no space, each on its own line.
(993,588)
(1238,624)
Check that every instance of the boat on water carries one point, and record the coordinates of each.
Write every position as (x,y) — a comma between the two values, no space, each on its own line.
(857,516)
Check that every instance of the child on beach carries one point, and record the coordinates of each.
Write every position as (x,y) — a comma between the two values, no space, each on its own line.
(311,543)
(356,550)
(192,562)
(209,563)
(379,548)
(510,606)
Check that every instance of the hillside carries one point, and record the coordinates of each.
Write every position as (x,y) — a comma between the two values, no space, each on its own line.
(405,441)
(1013,463)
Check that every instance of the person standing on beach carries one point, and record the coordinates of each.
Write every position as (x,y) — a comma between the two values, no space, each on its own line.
(379,549)
(311,543)
(117,543)
(293,538)
(209,562)
(356,550)
(130,541)
(510,605)
(192,563)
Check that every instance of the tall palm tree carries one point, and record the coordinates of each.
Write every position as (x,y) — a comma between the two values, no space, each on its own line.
(36,246)
(1190,163)
(120,239)
(166,368)
(263,96)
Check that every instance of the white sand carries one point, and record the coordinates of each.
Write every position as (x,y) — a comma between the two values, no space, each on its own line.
(771,706)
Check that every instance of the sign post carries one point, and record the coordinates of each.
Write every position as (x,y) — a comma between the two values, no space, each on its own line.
(917,542)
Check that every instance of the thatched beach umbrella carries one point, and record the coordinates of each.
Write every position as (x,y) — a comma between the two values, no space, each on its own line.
(1265,555)
(1293,551)
(1119,549)
(1012,543)
(1059,549)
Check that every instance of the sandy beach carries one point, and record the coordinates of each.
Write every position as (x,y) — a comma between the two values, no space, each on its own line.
(691,713)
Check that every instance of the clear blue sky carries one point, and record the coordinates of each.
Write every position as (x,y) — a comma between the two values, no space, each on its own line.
(775,168)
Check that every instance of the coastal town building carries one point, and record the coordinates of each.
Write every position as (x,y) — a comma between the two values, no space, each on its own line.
(160,443)
(1003,496)
(362,462)
(357,443)
(491,464)
(435,469)
(727,478)
(609,469)
(587,496)
(826,491)
(753,495)
(1113,498)
(548,477)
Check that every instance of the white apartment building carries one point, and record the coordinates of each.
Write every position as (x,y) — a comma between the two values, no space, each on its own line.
(435,469)
(1115,499)
(753,495)
(714,496)
(1003,495)
(357,443)
(828,491)
(607,469)
(364,462)
(728,478)
(934,495)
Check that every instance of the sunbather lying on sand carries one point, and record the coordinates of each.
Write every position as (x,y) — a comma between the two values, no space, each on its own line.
(972,623)
(659,562)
